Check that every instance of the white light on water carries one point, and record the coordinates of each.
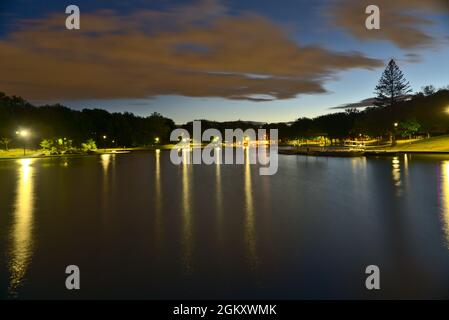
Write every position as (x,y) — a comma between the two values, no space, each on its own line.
(444,198)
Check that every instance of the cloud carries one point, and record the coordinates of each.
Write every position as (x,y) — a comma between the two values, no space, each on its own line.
(369,102)
(197,51)
(406,23)
(412,58)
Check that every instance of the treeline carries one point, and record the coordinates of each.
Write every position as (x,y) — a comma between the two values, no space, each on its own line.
(422,114)
(59,122)
(425,113)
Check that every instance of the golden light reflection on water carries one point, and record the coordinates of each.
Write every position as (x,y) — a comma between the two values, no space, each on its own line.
(105,161)
(250,231)
(445,198)
(21,250)
(186,212)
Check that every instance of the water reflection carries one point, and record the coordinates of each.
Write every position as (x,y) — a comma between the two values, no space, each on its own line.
(250,232)
(445,198)
(105,162)
(219,195)
(21,233)
(158,196)
(358,166)
(396,174)
(186,212)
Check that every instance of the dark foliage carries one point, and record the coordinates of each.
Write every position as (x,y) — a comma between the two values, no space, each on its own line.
(126,129)
(431,112)
(57,121)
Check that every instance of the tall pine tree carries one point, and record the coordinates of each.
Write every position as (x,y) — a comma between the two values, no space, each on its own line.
(392,86)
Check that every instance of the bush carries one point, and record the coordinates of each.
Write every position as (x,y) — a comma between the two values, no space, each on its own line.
(89,146)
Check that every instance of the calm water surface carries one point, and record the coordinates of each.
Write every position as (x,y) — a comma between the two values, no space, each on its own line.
(140,227)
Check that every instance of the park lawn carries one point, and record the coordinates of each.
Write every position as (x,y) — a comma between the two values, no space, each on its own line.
(17,153)
(434,144)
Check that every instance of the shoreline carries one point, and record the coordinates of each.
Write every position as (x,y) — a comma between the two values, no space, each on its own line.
(349,153)
(297,152)
(99,152)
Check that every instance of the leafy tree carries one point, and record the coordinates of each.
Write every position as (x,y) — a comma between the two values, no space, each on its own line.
(5,141)
(57,146)
(89,145)
(64,145)
(392,86)
(409,128)
(49,145)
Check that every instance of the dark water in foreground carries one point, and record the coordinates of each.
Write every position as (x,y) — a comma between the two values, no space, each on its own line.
(141,227)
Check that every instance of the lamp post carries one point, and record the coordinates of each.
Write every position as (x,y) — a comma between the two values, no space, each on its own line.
(393,139)
(23,134)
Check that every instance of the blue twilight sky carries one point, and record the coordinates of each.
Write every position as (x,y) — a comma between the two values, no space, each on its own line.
(260,60)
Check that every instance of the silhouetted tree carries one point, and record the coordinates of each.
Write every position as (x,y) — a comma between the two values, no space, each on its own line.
(51,122)
(428,90)
(392,86)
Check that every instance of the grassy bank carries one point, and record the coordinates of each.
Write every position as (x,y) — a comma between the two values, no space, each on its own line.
(435,144)
(18,153)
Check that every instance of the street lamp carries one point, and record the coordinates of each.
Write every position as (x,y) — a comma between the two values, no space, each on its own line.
(156,140)
(393,138)
(23,134)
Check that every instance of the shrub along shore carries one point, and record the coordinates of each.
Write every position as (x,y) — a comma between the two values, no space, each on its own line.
(19,154)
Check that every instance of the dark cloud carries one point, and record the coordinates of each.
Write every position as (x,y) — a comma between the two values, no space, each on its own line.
(361,104)
(369,102)
(403,22)
(192,51)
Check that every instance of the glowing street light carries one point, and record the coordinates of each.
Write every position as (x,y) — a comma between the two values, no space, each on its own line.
(23,134)
(396,124)
(156,140)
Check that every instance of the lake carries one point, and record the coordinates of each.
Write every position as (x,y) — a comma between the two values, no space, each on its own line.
(138,226)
